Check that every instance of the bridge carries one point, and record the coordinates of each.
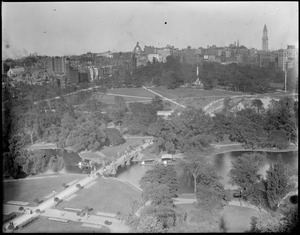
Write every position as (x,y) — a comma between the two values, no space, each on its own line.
(126,158)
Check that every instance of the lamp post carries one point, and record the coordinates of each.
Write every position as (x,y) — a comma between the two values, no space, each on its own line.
(285,77)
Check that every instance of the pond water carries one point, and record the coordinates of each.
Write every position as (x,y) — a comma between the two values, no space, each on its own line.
(71,160)
(221,162)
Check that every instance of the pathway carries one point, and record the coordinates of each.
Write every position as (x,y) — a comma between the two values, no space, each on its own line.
(165,98)
(244,204)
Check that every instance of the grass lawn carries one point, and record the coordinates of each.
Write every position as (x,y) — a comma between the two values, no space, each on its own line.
(26,190)
(108,195)
(110,99)
(43,225)
(183,92)
(113,151)
(238,218)
(132,91)
(194,97)
(139,92)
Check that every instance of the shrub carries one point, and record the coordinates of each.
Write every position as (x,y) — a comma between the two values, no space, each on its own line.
(105,229)
(78,186)
(29,221)
(11,227)
(21,208)
(78,213)
(108,222)
(9,217)
(38,211)
(37,201)
(56,199)
(118,215)
(98,174)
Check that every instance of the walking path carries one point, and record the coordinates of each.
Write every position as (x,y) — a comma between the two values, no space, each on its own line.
(131,96)
(165,98)
(244,204)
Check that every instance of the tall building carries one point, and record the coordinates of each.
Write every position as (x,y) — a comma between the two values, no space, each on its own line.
(265,39)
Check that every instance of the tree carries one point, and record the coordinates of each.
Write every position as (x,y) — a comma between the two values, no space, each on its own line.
(114,136)
(56,163)
(31,124)
(197,166)
(227,106)
(86,135)
(268,223)
(158,194)
(276,183)
(164,213)
(150,224)
(244,130)
(36,201)
(281,116)
(244,172)
(141,116)
(160,175)
(257,103)
(166,137)
(257,195)
(117,111)
(157,103)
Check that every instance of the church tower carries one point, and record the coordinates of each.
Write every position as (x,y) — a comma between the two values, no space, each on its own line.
(265,39)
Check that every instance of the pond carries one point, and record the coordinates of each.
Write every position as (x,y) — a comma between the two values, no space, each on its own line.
(221,162)
(71,160)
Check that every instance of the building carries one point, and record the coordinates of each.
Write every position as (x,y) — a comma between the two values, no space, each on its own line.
(139,58)
(12,72)
(287,58)
(154,57)
(164,53)
(265,39)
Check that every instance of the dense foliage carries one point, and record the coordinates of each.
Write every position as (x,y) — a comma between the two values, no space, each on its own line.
(173,73)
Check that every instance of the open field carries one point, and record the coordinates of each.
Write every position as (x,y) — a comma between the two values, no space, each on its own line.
(197,98)
(108,195)
(109,99)
(238,218)
(130,95)
(31,188)
(43,225)
(183,92)
(238,147)
(132,91)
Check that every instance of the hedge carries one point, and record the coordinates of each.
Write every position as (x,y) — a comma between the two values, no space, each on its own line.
(9,217)
(29,221)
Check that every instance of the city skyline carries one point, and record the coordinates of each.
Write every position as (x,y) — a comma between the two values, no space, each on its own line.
(57,28)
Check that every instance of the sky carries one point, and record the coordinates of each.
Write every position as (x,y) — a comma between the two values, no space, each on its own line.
(73,28)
